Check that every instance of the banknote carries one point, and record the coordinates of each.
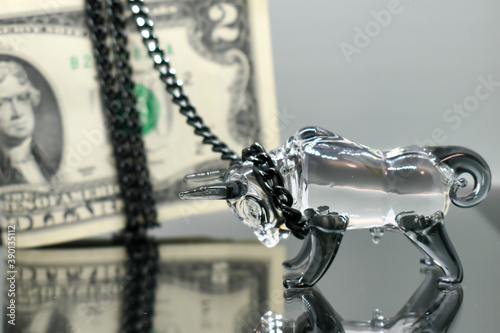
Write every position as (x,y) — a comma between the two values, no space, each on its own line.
(57,172)
(204,287)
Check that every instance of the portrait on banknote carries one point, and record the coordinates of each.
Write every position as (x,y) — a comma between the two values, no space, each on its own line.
(30,125)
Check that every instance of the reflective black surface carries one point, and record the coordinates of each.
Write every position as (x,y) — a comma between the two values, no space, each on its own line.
(213,286)
(431,308)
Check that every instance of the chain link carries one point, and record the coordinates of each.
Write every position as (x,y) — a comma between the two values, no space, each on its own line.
(264,167)
(107,25)
(271,180)
(174,87)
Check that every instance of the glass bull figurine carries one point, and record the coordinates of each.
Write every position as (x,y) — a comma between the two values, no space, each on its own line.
(318,185)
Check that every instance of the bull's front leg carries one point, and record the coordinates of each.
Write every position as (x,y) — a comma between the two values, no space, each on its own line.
(302,258)
(429,235)
(318,251)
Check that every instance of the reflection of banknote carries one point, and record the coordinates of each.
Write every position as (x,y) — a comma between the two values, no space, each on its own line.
(200,288)
(57,175)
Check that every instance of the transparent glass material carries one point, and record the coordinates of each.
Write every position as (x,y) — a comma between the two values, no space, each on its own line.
(369,186)
(323,171)
(406,189)
(254,208)
(339,185)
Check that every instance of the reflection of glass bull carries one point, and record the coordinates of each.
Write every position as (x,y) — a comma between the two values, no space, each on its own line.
(406,189)
(430,309)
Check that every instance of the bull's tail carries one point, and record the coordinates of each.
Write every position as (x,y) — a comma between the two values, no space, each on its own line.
(465,161)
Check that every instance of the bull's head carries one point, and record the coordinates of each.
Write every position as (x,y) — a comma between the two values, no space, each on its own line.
(245,196)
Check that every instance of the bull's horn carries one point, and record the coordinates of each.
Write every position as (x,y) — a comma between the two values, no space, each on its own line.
(204,177)
(219,191)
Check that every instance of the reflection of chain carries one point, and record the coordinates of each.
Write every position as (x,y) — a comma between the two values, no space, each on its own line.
(140,288)
(174,87)
(271,180)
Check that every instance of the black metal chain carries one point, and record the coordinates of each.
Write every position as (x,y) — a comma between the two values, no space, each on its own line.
(107,26)
(174,87)
(121,114)
(271,180)
(263,165)
(119,99)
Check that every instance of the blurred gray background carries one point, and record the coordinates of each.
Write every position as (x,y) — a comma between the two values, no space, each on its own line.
(398,88)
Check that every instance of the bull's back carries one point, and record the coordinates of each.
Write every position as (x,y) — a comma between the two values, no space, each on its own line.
(371,186)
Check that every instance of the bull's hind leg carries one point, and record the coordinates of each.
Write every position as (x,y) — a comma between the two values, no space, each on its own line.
(319,250)
(429,235)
